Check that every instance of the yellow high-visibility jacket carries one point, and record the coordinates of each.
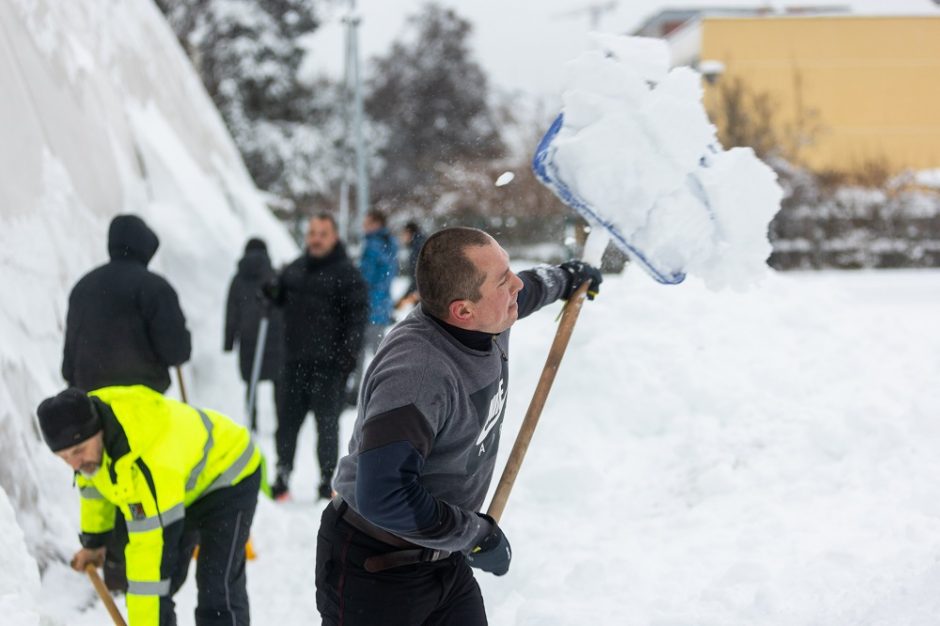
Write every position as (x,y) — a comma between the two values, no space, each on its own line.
(159,457)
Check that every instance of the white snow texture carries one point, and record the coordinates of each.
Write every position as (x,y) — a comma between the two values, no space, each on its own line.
(637,146)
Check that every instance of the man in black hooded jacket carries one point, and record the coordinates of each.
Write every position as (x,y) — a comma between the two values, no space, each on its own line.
(124,327)
(325,305)
(124,323)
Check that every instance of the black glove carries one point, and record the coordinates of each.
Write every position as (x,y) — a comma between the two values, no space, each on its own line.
(578,272)
(270,291)
(494,553)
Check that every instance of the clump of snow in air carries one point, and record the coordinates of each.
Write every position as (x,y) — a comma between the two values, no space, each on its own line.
(504,179)
(637,146)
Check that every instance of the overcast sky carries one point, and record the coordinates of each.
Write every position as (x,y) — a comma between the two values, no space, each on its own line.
(522,43)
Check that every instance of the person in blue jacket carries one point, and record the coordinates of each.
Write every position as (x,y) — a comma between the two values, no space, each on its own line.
(378,265)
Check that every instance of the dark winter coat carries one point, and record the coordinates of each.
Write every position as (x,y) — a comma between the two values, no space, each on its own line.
(379,265)
(414,249)
(325,308)
(243,315)
(124,324)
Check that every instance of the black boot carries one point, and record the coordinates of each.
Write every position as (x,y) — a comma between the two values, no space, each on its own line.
(280,490)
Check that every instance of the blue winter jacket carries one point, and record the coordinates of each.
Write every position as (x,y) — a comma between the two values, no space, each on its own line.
(379,264)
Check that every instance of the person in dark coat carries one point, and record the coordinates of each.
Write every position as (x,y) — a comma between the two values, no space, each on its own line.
(412,238)
(243,313)
(124,327)
(324,302)
(124,324)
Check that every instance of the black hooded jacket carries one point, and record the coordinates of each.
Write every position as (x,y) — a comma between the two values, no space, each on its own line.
(124,323)
(325,308)
(243,316)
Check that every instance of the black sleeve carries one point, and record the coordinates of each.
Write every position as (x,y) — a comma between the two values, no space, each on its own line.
(166,323)
(232,308)
(68,366)
(353,311)
(541,286)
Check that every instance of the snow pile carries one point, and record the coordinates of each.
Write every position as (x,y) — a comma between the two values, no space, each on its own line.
(102,114)
(19,576)
(637,147)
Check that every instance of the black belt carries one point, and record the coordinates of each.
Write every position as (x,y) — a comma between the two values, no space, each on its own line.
(410,553)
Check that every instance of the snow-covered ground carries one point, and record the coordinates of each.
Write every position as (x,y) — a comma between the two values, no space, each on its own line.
(704,459)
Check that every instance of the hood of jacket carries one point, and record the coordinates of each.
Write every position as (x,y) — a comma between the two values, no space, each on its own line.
(129,237)
(255,264)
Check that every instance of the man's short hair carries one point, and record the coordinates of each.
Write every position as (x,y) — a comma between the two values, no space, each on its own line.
(378,217)
(412,227)
(444,272)
(326,215)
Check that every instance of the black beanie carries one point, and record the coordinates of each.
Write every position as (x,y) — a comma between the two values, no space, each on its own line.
(255,244)
(67,419)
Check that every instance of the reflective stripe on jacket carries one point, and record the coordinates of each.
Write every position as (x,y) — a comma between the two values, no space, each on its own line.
(159,457)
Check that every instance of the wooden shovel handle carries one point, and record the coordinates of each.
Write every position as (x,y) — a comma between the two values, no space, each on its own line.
(105,595)
(179,380)
(568,318)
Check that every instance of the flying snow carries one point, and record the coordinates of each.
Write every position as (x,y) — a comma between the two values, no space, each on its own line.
(636,146)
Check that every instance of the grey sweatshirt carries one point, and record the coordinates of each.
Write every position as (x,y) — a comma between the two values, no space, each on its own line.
(424,445)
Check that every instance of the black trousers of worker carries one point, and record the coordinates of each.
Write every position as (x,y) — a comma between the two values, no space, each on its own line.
(310,386)
(430,594)
(219,524)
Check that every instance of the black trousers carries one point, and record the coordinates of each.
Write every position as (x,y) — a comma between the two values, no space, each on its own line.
(304,387)
(219,524)
(439,593)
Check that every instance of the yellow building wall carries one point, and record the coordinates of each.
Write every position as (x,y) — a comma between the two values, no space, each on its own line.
(873,81)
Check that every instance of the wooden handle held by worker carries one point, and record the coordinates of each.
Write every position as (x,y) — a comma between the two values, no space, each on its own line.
(105,595)
(568,318)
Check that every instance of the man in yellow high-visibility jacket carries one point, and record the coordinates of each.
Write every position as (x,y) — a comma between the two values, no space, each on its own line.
(179,475)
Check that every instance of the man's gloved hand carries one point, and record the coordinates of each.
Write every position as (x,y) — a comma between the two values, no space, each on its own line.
(494,553)
(578,272)
(270,290)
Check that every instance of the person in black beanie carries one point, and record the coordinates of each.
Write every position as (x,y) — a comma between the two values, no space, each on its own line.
(177,476)
(124,327)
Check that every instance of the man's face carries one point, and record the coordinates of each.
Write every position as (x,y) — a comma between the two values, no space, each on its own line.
(321,237)
(84,457)
(496,310)
(370,225)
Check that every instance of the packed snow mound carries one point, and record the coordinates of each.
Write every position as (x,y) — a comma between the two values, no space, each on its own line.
(103,114)
(635,152)
(19,576)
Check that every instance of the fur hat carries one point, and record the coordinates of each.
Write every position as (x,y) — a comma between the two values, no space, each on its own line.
(67,419)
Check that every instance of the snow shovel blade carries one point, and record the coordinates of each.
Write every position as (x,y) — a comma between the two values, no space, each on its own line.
(547,172)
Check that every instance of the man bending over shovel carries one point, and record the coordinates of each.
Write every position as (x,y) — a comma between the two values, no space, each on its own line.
(396,544)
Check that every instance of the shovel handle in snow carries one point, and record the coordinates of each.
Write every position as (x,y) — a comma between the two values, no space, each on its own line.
(105,595)
(568,318)
(179,380)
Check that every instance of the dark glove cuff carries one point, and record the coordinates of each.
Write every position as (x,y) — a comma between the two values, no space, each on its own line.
(93,540)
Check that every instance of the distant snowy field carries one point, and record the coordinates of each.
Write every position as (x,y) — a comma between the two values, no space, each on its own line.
(704,458)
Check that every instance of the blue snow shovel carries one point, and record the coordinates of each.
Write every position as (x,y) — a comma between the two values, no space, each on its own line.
(602,232)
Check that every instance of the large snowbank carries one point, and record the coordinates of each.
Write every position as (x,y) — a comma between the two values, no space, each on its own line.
(101,114)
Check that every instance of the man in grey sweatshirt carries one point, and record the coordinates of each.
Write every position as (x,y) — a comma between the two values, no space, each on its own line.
(396,544)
